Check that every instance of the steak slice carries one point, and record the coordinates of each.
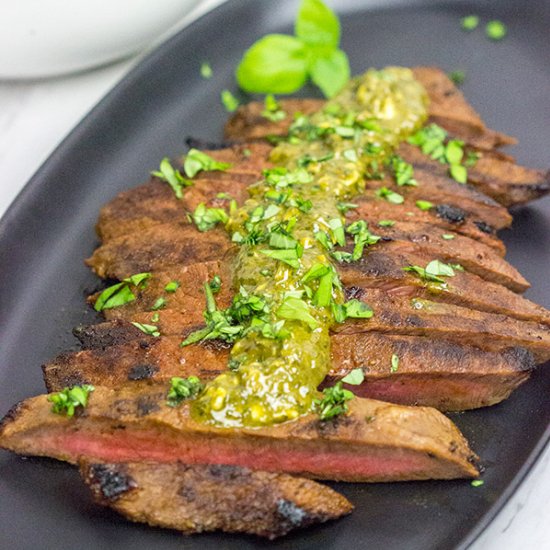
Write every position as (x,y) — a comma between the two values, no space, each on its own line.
(375,441)
(197,499)
(398,314)
(434,373)
(473,256)
(449,218)
(157,247)
(155,202)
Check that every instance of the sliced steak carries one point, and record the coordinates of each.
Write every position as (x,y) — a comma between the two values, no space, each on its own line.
(473,256)
(401,314)
(375,441)
(197,499)
(430,372)
(158,247)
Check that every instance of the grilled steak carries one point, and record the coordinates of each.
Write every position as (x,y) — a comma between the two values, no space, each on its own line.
(196,499)
(495,176)
(436,373)
(376,441)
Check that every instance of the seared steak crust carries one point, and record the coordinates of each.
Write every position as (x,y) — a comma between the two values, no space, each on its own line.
(196,499)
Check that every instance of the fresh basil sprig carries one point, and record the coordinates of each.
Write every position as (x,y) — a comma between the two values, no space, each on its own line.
(281,64)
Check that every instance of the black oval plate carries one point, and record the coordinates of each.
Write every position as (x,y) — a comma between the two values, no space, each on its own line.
(49,230)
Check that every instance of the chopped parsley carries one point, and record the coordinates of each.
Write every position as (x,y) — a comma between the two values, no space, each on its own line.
(120,293)
(334,402)
(182,389)
(230,102)
(173,177)
(150,330)
(69,399)
(197,161)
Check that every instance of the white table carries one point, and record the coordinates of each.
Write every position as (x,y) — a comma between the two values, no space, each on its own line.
(36,116)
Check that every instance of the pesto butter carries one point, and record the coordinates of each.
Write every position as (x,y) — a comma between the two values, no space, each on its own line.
(288,232)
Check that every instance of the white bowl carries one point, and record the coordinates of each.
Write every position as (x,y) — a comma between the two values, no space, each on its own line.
(41,38)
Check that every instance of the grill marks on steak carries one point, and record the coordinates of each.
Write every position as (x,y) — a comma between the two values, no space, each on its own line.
(376,441)
(196,499)
(435,373)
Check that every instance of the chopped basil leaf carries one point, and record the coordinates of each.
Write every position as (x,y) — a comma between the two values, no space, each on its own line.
(121,293)
(215,284)
(343,207)
(496,30)
(334,402)
(354,378)
(389,195)
(272,109)
(172,286)
(197,161)
(288,256)
(337,231)
(206,70)
(470,22)
(281,241)
(454,151)
(173,177)
(458,173)
(402,171)
(206,218)
(424,205)
(457,77)
(155,317)
(151,330)
(448,236)
(68,400)
(230,102)
(297,310)
(182,389)
(433,271)
(394,363)
(323,294)
(316,271)
(477,483)
(386,223)
(159,304)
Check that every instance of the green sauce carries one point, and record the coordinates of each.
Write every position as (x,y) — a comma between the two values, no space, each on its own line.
(287,230)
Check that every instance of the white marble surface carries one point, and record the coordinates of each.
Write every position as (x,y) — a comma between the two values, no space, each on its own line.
(34,119)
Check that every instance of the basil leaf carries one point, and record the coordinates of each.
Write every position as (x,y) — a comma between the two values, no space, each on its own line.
(317,25)
(196,161)
(276,64)
(330,72)
(355,377)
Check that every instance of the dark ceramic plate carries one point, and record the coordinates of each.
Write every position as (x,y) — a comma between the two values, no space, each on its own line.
(49,231)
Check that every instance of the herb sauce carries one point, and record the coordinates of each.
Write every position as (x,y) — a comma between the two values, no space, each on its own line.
(288,231)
